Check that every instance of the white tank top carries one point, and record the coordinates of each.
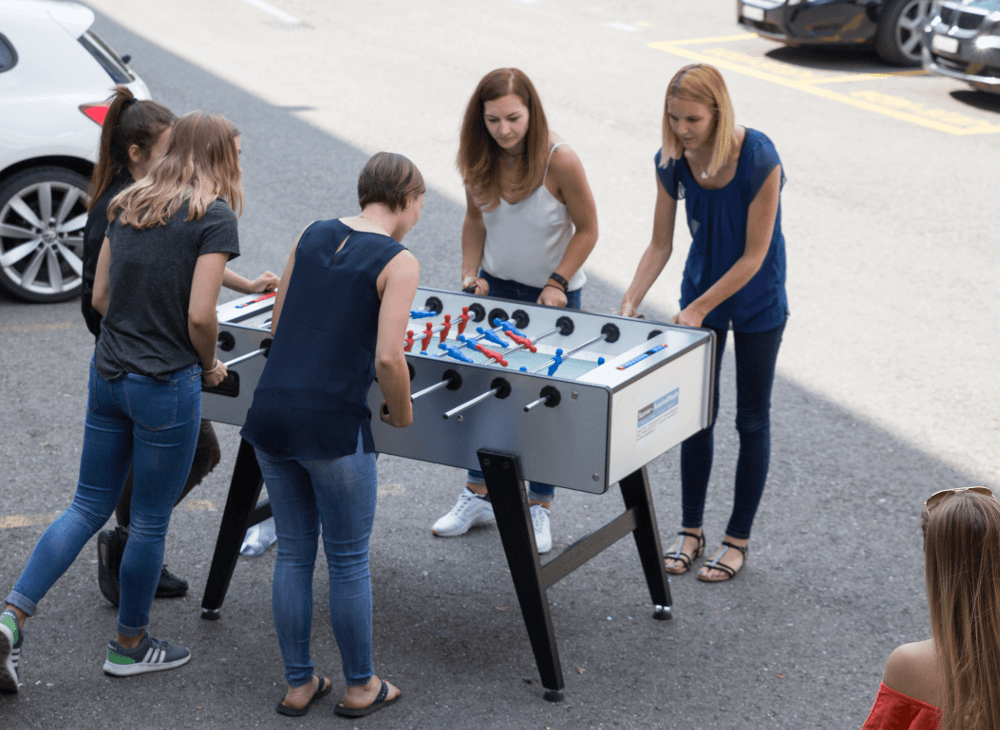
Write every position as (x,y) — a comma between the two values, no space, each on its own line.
(526,241)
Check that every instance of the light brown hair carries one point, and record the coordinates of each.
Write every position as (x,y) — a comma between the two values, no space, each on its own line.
(962,551)
(200,164)
(479,154)
(703,84)
(129,121)
(391,179)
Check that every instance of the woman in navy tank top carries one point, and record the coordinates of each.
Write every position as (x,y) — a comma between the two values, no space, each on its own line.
(730,178)
(340,320)
(529,226)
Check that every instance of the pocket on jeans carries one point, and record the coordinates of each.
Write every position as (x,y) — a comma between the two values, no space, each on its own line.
(152,403)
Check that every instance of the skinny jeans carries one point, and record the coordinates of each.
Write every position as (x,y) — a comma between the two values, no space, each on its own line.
(133,417)
(756,356)
(339,494)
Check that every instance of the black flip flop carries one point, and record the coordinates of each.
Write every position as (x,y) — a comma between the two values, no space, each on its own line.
(377,704)
(323,691)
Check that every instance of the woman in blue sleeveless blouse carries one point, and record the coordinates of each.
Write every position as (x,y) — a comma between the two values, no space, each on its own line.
(730,178)
(343,316)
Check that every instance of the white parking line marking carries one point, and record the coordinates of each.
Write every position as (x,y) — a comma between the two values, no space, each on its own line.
(279,14)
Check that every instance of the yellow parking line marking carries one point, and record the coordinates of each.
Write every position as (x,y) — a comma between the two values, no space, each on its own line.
(884,104)
(27,520)
(716,39)
(864,77)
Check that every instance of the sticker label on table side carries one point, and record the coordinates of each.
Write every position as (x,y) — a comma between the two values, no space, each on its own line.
(651,416)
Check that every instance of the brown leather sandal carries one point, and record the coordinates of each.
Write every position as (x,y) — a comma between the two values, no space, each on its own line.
(684,558)
(716,565)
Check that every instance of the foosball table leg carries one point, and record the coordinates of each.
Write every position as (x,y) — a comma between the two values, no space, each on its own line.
(637,497)
(510,506)
(239,514)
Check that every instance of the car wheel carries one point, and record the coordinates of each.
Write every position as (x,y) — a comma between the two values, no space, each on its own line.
(42,214)
(900,32)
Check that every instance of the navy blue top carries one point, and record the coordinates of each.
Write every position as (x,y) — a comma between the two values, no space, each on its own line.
(312,397)
(717,220)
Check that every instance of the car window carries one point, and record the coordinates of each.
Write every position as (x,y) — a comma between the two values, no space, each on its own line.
(8,58)
(108,59)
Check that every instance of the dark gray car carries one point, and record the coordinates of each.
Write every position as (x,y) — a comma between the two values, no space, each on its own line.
(962,40)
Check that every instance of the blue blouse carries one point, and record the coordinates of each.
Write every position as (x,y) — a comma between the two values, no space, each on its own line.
(717,220)
(312,398)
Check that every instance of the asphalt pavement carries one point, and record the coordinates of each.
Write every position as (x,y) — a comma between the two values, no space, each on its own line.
(883,395)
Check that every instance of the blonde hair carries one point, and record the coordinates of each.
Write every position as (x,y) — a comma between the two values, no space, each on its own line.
(201,163)
(479,154)
(962,551)
(703,84)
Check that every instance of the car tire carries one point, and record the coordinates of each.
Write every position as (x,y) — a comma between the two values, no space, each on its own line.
(42,214)
(900,32)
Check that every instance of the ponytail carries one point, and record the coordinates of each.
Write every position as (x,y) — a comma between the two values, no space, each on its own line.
(129,121)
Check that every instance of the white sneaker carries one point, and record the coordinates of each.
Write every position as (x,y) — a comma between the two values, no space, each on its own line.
(543,531)
(469,510)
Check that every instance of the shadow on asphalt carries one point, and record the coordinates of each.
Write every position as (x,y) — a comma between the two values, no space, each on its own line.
(833,582)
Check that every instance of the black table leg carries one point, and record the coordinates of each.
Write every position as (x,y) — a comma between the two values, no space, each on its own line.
(241,512)
(635,492)
(510,505)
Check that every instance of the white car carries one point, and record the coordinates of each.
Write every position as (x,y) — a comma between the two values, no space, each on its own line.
(54,76)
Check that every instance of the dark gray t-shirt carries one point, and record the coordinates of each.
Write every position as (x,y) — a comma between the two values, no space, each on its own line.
(146,328)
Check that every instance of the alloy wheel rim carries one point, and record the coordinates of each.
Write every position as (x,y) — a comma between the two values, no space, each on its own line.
(41,237)
(909,28)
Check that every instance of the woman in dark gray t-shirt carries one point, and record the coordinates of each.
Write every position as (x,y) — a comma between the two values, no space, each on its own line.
(158,278)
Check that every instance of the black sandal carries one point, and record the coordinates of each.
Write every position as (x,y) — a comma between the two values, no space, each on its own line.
(377,704)
(716,565)
(684,558)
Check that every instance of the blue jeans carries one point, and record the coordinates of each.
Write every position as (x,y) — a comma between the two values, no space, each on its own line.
(509,289)
(154,422)
(340,494)
(756,355)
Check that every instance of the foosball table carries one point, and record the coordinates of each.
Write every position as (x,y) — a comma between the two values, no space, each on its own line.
(520,392)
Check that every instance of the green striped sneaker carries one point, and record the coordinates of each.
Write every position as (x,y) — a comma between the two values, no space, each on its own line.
(152,655)
(11,638)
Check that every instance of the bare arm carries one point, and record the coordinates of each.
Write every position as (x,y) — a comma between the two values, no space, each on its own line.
(203,325)
(102,289)
(657,253)
(397,286)
(473,240)
(286,276)
(264,283)
(572,187)
(761,217)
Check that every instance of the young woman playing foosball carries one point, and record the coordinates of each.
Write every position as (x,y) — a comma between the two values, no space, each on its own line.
(730,178)
(530,224)
(339,320)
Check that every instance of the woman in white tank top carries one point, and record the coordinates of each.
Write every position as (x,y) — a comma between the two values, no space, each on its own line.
(529,226)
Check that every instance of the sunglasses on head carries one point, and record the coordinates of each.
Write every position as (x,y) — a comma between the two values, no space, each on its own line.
(938,497)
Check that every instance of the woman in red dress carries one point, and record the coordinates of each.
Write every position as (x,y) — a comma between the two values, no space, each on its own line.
(951,680)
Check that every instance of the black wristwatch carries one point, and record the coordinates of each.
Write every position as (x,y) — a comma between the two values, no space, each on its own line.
(560,280)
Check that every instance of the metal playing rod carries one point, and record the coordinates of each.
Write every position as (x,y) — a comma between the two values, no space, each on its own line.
(241,358)
(565,355)
(431,389)
(536,403)
(470,403)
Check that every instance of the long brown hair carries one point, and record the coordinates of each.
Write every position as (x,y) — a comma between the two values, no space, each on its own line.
(201,163)
(129,121)
(701,83)
(479,154)
(962,550)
